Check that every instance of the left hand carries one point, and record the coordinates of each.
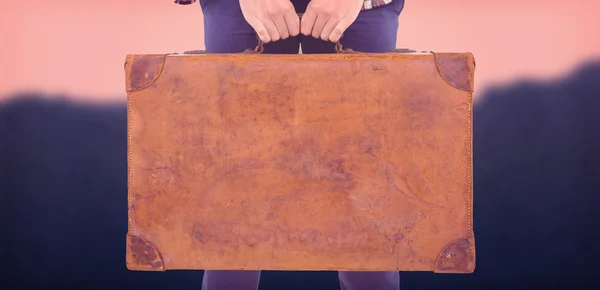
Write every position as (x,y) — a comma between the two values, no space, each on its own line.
(328,19)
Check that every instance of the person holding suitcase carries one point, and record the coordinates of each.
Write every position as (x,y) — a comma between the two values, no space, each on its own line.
(232,26)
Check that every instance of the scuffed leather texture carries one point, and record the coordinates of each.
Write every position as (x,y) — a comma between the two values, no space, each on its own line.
(301,162)
(142,255)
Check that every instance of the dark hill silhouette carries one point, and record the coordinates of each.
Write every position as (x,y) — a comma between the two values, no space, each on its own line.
(537,184)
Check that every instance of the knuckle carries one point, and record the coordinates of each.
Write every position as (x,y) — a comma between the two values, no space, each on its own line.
(328,10)
(275,11)
(319,8)
(261,31)
(263,35)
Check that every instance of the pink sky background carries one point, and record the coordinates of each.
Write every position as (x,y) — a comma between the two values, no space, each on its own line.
(79,47)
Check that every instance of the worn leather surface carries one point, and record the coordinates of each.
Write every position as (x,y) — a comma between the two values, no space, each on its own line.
(300,162)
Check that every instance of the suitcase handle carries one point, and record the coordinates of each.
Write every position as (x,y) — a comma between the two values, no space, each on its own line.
(339,48)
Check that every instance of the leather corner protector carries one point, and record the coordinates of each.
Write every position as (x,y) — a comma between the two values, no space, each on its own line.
(143,70)
(143,256)
(457,69)
(457,257)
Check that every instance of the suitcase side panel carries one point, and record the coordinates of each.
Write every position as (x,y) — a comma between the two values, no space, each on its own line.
(458,70)
(140,72)
(194,238)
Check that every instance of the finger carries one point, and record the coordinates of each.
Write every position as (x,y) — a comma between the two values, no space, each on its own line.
(329,27)
(271,28)
(319,24)
(280,25)
(340,28)
(260,29)
(292,21)
(308,21)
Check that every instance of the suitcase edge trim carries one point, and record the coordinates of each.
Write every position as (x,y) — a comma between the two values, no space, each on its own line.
(457,69)
(458,257)
(142,70)
(142,255)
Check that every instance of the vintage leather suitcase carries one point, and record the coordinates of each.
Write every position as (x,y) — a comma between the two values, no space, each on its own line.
(344,161)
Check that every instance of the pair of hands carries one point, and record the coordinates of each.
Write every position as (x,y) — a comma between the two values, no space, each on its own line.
(277,19)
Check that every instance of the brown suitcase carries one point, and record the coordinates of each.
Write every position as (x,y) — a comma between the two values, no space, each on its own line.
(344,161)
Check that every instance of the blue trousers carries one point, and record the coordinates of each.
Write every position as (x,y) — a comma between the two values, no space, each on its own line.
(226,31)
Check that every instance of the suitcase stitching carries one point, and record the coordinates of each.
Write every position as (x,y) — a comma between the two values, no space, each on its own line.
(130,173)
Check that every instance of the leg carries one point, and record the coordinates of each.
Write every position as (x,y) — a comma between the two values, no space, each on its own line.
(226,30)
(369,280)
(373,31)
(230,280)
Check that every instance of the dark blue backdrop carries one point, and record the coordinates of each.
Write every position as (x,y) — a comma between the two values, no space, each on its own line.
(537,184)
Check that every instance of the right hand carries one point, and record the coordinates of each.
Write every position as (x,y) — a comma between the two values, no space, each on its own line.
(271,19)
